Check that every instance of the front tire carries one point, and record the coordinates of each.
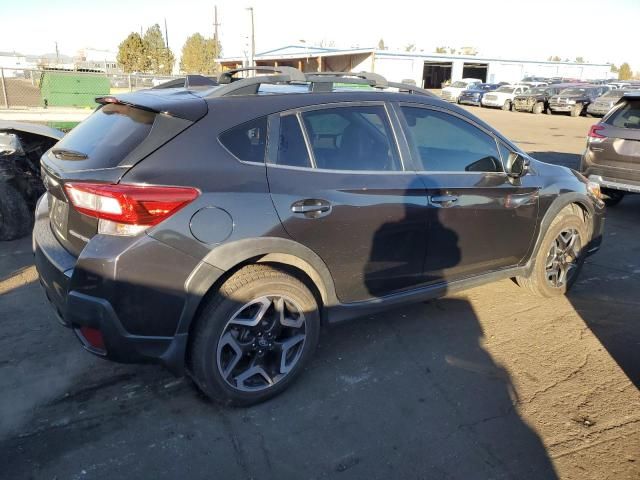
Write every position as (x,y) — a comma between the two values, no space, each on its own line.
(254,337)
(576,111)
(538,108)
(506,106)
(560,256)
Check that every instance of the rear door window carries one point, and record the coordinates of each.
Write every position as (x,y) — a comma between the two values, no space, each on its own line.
(627,116)
(247,141)
(105,138)
(352,138)
(292,149)
(446,143)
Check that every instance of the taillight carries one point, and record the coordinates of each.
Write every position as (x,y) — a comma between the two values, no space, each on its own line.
(128,209)
(594,133)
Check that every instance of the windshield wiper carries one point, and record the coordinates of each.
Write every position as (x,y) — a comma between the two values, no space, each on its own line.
(64,154)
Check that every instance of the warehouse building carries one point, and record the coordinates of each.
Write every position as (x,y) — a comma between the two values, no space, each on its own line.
(426,70)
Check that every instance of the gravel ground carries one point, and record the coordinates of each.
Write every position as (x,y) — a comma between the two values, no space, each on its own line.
(492,383)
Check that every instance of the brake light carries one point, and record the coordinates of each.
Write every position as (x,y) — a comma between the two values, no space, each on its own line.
(594,132)
(127,209)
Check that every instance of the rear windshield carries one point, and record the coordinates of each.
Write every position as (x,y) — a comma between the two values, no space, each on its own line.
(108,135)
(627,116)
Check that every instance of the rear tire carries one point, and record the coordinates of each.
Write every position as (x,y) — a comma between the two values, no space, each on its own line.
(552,273)
(506,106)
(16,220)
(612,197)
(227,347)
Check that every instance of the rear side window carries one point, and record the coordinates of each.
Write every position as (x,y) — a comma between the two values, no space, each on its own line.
(292,149)
(247,141)
(627,116)
(108,135)
(352,138)
(446,143)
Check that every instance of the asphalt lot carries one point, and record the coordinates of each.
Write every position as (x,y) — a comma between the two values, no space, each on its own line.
(492,383)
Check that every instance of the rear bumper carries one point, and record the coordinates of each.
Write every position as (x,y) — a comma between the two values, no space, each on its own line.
(470,101)
(92,292)
(615,184)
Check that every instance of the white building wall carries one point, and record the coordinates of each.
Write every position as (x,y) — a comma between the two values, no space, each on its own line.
(396,69)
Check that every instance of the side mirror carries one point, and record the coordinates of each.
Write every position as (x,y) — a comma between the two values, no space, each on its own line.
(517,165)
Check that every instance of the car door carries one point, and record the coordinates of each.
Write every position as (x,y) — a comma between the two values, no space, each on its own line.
(480,220)
(339,185)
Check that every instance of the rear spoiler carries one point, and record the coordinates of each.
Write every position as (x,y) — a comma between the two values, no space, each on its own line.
(176,103)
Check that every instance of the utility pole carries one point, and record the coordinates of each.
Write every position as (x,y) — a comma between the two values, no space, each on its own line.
(215,24)
(166,33)
(252,59)
(57,54)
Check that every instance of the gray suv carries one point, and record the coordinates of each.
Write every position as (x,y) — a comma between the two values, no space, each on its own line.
(612,156)
(214,230)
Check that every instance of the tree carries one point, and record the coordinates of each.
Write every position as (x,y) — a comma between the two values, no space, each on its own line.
(625,72)
(132,54)
(199,55)
(381,45)
(580,60)
(441,49)
(160,56)
(452,51)
(614,69)
(410,47)
(554,58)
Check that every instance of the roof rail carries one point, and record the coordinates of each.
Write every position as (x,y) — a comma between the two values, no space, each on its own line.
(295,74)
(317,81)
(189,81)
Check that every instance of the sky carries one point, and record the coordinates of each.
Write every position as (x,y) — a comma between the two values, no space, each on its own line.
(598,31)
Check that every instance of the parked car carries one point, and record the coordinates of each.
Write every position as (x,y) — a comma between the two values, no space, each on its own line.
(176,230)
(533,84)
(503,96)
(604,102)
(21,146)
(452,92)
(536,100)
(473,96)
(612,156)
(575,100)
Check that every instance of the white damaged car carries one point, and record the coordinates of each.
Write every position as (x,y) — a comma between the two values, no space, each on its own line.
(503,97)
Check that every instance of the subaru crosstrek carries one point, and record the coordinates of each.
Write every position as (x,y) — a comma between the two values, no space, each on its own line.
(215,230)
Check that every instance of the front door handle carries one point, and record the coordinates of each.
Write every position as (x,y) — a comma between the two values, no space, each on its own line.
(311,207)
(443,200)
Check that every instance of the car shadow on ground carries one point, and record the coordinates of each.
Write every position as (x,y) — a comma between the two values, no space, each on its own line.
(606,293)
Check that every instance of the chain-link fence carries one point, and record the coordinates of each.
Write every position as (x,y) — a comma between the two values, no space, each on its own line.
(24,88)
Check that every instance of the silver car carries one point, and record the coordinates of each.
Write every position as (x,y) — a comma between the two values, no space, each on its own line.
(604,103)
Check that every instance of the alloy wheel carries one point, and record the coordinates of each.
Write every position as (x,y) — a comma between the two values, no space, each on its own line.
(261,343)
(562,259)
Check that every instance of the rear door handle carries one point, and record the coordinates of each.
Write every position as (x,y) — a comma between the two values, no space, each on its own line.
(311,207)
(443,200)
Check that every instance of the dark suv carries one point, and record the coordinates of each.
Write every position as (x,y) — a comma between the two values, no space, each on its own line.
(576,99)
(216,230)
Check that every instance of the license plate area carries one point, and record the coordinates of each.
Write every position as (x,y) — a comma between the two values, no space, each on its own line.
(59,215)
